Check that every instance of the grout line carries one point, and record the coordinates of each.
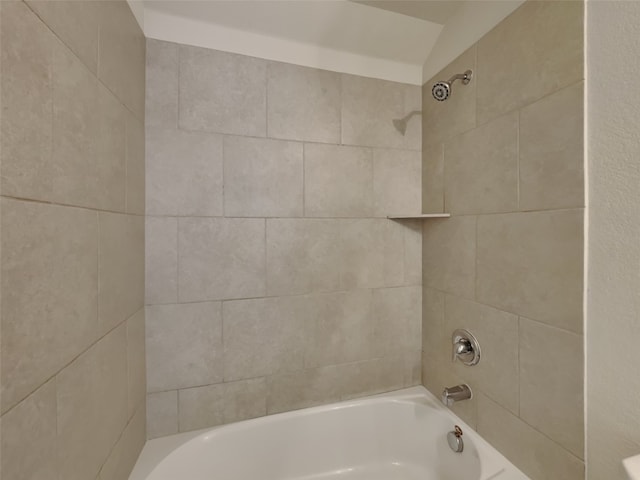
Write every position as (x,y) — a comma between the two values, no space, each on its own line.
(177,258)
(518,159)
(63,367)
(68,205)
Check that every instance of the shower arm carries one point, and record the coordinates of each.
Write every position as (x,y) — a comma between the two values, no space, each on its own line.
(465,77)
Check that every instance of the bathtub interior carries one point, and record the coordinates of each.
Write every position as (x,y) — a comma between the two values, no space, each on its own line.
(390,437)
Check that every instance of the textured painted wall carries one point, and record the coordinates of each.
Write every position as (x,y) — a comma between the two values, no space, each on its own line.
(613,280)
(504,155)
(274,280)
(72,131)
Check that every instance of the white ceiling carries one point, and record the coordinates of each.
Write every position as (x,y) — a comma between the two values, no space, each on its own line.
(388,39)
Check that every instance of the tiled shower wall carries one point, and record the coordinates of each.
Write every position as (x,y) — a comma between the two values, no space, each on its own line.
(274,280)
(504,155)
(73,383)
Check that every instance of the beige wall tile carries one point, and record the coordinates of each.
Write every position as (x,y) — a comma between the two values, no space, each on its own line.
(28,444)
(135,165)
(338,181)
(436,339)
(161,250)
(89,148)
(396,182)
(305,388)
(531,264)
(551,151)
(433,178)
(222,92)
(535,454)
(212,405)
(519,63)
(551,386)
(121,268)
(303,103)
(303,256)
(183,345)
(125,453)
(162,414)
(136,364)
(449,255)
(497,332)
(221,258)
(76,24)
(94,389)
(200,407)
(444,120)
(161,85)
(372,376)
(27,102)
(368,108)
(49,292)
(264,336)
(481,169)
(412,251)
(339,328)
(262,178)
(245,399)
(373,253)
(396,321)
(184,173)
(121,59)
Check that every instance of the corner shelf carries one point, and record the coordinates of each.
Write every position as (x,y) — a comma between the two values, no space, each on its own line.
(419,215)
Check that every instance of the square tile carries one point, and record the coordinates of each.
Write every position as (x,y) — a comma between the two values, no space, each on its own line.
(262,178)
(222,92)
(304,103)
(532,264)
(264,336)
(481,169)
(338,181)
(221,258)
(184,173)
(183,345)
(303,256)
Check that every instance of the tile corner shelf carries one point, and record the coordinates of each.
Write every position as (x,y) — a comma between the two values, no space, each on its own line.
(419,215)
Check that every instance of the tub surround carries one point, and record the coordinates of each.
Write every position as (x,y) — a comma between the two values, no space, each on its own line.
(274,279)
(504,155)
(72,185)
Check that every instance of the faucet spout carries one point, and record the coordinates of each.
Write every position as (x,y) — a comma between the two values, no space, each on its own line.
(451,395)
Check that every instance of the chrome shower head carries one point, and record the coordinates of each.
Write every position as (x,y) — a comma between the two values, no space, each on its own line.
(442,90)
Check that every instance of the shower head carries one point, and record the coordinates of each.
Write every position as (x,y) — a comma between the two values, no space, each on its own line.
(442,90)
(400,124)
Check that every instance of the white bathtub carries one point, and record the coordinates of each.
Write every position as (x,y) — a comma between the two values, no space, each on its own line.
(396,436)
